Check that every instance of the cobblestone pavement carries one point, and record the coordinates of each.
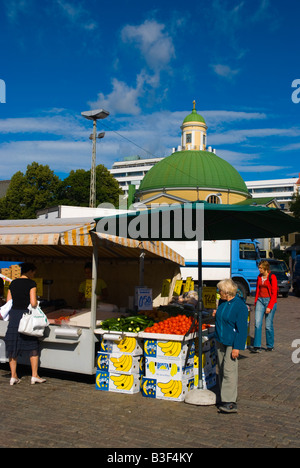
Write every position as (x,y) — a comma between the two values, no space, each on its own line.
(68,412)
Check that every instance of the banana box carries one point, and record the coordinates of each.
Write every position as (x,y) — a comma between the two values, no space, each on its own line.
(126,345)
(164,388)
(160,367)
(173,350)
(209,378)
(208,343)
(123,363)
(113,382)
(209,360)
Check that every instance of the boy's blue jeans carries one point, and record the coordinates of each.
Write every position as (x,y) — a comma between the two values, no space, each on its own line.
(260,312)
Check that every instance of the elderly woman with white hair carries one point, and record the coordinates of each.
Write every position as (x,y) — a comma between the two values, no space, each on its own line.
(231,334)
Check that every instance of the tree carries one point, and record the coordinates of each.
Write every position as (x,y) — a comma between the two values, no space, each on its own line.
(75,189)
(30,192)
(295,205)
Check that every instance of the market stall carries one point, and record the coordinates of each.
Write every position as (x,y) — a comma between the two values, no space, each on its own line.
(60,248)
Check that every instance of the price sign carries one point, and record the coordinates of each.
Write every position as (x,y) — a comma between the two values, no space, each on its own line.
(209,296)
(187,286)
(177,289)
(166,288)
(143,298)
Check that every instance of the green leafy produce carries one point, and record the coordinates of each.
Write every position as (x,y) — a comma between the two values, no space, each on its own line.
(132,324)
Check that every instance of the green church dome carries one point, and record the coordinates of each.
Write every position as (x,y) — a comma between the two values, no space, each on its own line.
(194,169)
(194,117)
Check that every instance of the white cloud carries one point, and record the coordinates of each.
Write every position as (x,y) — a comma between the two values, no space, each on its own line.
(157,50)
(77,15)
(55,125)
(239,136)
(153,42)
(122,100)
(225,71)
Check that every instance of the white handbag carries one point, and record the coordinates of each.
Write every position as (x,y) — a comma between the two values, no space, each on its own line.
(33,322)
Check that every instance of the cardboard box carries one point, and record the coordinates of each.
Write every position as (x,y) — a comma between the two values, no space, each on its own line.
(207,344)
(164,388)
(114,382)
(209,378)
(120,363)
(169,368)
(127,345)
(209,359)
(173,350)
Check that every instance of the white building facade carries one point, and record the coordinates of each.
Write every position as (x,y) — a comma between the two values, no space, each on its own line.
(280,189)
(131,171)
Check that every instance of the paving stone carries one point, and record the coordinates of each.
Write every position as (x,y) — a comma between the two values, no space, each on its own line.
(67,411)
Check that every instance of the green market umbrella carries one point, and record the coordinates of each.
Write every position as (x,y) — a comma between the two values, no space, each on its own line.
(192,221)
(199,221)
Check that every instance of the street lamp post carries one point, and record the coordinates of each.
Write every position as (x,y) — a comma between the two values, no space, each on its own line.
(94,115)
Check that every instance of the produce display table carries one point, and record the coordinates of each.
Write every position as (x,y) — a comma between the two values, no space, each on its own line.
(162,366)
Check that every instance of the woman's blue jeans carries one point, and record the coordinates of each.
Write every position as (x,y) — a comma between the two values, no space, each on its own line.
(260,312)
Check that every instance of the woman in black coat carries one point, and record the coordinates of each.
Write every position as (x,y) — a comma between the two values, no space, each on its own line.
(22,291)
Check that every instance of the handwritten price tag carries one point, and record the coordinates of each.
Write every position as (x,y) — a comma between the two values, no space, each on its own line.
(209,296)
(144,299)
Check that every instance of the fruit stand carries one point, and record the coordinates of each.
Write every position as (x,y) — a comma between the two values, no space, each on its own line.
(60,248)
(161,361)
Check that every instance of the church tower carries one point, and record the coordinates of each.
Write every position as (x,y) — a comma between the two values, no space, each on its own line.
(193,129)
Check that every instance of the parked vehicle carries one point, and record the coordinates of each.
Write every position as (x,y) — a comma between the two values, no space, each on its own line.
(236,259)
(281,271)
(296,276)
(266,254)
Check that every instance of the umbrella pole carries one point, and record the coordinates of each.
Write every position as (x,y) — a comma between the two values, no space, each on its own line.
(200,396)
(199,311)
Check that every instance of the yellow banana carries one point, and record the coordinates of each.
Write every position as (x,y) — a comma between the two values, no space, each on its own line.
(171,389)
(174,370)
(122,364)
(145,387)
(174,350)
(123,382)
(178,389)
(152,367)
(166,347)
(127,345)
(170,348)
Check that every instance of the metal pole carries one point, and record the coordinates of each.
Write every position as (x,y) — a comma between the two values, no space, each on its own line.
(94,294)
(142,270)
(200,308)
(93,168)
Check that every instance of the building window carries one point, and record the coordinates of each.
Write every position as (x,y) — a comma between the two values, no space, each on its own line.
(213,199)
(189,138)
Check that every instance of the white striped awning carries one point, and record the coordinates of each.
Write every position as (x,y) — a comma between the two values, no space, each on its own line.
(152,248)
(46,232)
(72,237)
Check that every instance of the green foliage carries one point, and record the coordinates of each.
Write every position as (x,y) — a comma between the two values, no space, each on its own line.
(40,188)
(29,192)
(295,206)
(75,189)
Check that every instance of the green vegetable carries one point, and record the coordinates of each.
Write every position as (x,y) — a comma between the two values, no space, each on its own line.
(130,324)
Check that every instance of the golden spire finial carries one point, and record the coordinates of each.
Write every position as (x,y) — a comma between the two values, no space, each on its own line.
(194,105)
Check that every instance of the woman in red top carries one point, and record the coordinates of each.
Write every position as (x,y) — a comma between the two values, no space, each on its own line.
(265,305)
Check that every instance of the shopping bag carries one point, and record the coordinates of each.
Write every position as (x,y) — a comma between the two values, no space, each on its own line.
(33,322)
(39,319)
(4,310)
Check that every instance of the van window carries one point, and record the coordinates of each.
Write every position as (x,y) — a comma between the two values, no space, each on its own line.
(247,251)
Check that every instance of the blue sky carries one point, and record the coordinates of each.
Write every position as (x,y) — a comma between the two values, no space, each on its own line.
(145,62)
